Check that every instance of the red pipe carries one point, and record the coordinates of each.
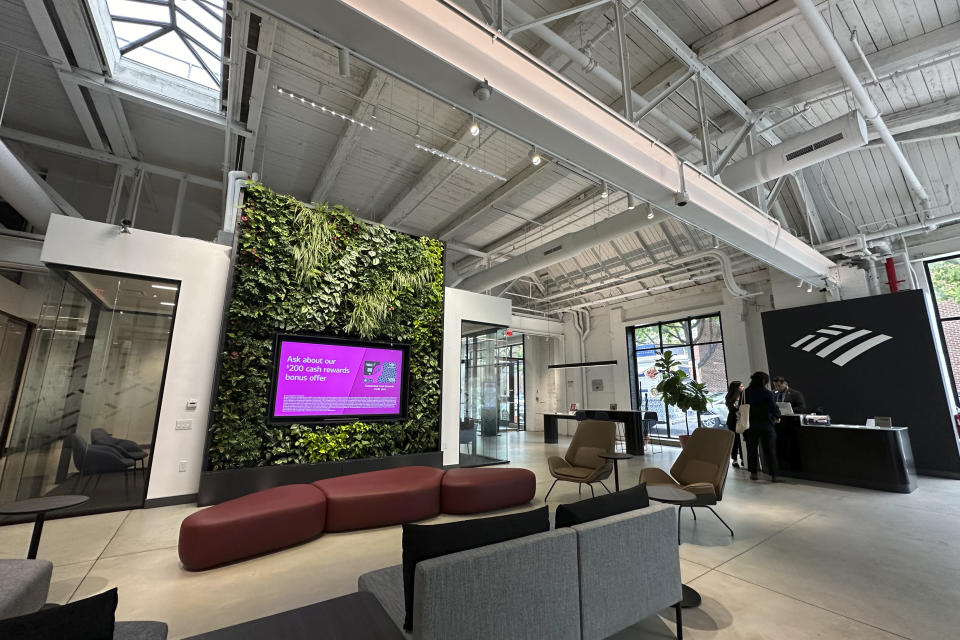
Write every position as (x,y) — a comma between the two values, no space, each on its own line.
(892,276)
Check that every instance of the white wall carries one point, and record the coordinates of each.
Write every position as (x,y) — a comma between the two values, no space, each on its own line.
(202,269)
(460,305)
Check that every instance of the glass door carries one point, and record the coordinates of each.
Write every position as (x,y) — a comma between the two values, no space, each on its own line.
(14,340)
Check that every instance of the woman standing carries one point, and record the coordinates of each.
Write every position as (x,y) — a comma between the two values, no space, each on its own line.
(733,405)
(764,412)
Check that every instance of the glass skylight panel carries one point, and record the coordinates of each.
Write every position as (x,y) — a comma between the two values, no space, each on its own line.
(180,37)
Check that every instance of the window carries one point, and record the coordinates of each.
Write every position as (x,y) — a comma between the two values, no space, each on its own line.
(698,344)
(944,278)
(179,37)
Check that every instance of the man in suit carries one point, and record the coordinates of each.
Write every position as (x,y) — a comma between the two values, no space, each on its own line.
(784,393)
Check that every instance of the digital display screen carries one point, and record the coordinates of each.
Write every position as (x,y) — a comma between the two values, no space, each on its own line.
(329,379)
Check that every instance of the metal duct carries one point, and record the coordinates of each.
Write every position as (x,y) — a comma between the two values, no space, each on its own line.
(560,249)
(844,134)
(23,193)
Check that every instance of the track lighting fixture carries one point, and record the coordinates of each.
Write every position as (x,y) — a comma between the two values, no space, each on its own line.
(604,192)
(474,128)
(650,214)
(323,109)
(535,157)
(799,283)
(631,201)
(810,288)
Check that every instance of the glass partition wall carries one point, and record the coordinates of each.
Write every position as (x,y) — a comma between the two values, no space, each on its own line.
(491,391)
(86,418)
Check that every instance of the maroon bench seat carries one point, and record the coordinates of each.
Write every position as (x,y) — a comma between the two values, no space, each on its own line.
(380,498)
(474,490)
(251,525)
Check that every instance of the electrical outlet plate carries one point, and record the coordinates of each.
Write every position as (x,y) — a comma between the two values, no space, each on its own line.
(184,425)
(183,465)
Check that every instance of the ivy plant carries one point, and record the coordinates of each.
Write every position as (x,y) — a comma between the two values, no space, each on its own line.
(319,270)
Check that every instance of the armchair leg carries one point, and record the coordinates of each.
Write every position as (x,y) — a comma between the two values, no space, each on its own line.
(604,486)
(679,611)
(694,512)
(592,494)
(721,520)
(551,489)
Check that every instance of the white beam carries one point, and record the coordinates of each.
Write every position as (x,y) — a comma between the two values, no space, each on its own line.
(485,200)
(927,115)
(258,89)
(899,56)
(51,44)
(434,174)
(374,84)
(104,156)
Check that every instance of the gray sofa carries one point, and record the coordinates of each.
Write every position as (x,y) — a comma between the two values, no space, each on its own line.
(580,583)
(24,585)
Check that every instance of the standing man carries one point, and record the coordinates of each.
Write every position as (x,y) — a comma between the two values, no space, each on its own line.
(784,393)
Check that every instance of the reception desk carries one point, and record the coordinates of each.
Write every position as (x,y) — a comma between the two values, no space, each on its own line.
(632,422)
(859,456)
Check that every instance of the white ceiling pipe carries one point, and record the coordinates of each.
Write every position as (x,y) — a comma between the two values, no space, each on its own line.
(862,240)
(560,249)
(590,65)
(870,111)
(23,193)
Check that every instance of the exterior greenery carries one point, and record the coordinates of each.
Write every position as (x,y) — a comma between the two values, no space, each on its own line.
(322,271)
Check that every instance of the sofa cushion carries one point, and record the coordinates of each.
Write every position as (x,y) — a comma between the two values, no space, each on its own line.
(381,498)
(140,630)
(250,525)
(23,586)
(474,490)
(87,619)
(422,542)
(602,506)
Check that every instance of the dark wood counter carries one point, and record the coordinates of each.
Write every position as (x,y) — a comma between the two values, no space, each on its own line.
(870,457)
(632,422)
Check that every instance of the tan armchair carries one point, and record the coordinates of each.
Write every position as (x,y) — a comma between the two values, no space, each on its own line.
(580,463)
(701,468)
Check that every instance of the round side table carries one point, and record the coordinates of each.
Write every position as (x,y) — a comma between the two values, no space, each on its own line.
(40,507)
(616,457)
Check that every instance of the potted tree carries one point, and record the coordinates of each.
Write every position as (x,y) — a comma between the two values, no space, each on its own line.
(678,390)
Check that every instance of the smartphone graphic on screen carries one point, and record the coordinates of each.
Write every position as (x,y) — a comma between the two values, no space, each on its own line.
(371,370)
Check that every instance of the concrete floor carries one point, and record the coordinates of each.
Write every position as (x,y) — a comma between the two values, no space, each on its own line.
(808,561)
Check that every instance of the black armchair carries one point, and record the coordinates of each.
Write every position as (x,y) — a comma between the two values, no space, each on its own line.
(96,459)
(126,448)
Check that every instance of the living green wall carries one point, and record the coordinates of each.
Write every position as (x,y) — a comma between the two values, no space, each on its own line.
(322,271)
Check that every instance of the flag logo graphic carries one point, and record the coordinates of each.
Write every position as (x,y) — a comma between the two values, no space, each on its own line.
(840,343)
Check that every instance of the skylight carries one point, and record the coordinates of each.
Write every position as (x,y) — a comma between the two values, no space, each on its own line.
(180,37)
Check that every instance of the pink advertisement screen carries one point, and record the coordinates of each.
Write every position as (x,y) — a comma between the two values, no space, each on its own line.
(330,380)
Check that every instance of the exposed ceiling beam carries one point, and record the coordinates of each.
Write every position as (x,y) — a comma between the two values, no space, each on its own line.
(568,28)
(105,157)
(885,61)
(665,75)
(433,175)
(376,81)
(485,200)
(762,23)
(924,116)
(935,132)
(54,48)
(258,89)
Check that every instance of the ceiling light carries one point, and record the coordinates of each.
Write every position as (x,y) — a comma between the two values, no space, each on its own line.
(650,214)
(462,163)
(474,128)
(810,289)
(604,192)
(799,283)
(323,109)
(164,287)
(535,157)
(631,201)
(169,304)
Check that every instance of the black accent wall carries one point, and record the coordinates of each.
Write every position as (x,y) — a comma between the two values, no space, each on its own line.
(898,377)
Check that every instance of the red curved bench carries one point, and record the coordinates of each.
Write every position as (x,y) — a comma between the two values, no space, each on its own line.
(380,498)
(473,490)
(252,524)
(287,515)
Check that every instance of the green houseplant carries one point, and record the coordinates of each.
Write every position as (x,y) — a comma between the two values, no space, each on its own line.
(678,390)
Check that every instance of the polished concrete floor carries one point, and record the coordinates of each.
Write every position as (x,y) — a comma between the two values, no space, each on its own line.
(808,561)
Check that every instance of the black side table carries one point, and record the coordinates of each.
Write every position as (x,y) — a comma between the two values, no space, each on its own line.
(40,506)
(616,457)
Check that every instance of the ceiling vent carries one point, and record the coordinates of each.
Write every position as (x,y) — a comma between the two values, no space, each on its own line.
(844,134)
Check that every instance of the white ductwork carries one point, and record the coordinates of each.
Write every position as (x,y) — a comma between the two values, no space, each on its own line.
(560,249)
(844,134)
(726,268)
(866,243)
(870,111)
(590,66)
(235,182)
(23,193)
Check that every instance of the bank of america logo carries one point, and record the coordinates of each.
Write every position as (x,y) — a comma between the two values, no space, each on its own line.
(839,343)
